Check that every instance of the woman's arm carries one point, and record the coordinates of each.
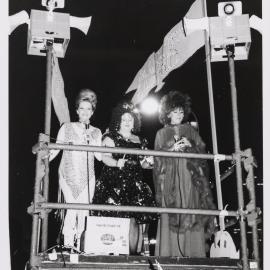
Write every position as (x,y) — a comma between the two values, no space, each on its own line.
(108,159)
(60,139)
(147,162)
(97,139)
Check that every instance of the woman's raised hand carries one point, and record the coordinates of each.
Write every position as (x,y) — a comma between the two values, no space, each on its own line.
(181,144)
(121,163)
(186,142)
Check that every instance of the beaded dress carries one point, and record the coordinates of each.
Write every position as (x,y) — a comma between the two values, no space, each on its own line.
(124,186)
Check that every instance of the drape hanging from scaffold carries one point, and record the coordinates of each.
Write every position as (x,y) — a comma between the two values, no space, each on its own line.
(176,49)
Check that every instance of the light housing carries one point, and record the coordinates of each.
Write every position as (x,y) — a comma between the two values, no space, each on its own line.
(229,30)
(48,27)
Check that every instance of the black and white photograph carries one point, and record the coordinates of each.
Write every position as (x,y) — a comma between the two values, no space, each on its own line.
(135,134)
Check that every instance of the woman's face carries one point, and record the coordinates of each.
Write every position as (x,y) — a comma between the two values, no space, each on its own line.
(127,122)
(176,116)
(85,111)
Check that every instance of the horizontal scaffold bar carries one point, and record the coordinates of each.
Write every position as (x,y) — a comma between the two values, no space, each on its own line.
(121,150)
(103,207)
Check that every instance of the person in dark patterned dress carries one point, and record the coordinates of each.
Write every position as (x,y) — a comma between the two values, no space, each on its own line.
(121,179)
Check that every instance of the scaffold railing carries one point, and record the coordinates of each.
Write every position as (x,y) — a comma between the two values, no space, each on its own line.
(41,207)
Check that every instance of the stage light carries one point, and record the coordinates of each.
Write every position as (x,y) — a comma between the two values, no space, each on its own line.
(230,28)
(149,106)
(53,28)
(229,8)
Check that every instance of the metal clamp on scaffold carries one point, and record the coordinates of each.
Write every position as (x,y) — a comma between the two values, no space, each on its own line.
(34,208)
(42,144)
(242,213)
(223,213)
(219,157)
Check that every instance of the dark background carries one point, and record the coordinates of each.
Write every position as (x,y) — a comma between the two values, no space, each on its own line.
(123,33)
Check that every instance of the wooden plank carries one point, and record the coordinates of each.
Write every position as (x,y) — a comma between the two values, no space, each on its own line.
(136,262)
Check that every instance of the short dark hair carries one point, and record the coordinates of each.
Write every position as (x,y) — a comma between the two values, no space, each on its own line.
(122,108)
(171,101)
(86,94)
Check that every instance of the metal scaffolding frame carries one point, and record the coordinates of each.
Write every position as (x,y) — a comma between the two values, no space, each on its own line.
(41,206)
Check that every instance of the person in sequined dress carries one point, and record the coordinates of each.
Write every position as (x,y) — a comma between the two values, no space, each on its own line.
(121,179)
(76,170)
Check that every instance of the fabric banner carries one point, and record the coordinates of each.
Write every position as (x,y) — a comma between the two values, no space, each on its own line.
(176,49)
(145,80)
(59,99)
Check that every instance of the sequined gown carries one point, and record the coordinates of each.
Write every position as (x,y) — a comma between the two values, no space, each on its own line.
(77,175)
(125,186)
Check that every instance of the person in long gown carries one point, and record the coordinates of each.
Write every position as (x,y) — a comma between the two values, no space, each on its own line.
(121,178)
(181,182)
(76,170)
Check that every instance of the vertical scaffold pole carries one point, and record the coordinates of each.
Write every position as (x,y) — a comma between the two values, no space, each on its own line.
(230,54)
(36,218)
(252,196)
(212,118)
(47,128)
(254,225)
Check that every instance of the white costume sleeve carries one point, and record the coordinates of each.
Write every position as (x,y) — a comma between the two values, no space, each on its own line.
(60,139)
(98,155)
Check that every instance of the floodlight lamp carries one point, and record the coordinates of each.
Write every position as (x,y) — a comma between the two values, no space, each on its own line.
(52,27)
(229,8)
(149,106)
(231,29)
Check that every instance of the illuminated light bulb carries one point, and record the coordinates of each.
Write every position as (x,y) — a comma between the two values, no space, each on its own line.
(229,9)
(149,106)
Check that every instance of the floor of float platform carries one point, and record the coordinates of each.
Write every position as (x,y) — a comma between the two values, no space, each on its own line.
(67,261)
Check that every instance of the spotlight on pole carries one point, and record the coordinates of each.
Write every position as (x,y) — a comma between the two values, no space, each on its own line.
(149,106)
(52,27)
(230,8)
(231,27)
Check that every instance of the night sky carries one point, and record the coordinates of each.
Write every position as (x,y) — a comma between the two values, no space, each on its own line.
(123,33)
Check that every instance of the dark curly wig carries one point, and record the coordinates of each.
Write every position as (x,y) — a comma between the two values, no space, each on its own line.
(171,101)
(86,95)
(119,110)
